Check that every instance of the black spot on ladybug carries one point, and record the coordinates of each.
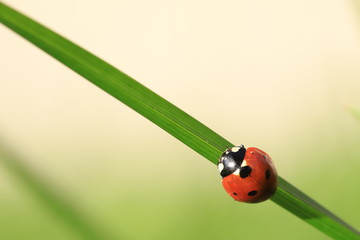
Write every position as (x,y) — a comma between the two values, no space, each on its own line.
(267,174)
(235,193)
(245,171)
(252,193)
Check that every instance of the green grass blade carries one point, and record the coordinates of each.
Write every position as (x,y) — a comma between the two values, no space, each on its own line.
(292,199)
(164,114)
(51,200)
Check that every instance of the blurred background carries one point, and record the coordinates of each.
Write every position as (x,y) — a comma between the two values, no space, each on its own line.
(270,74)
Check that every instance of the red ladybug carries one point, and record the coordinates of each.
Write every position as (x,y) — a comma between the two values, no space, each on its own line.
(249,175)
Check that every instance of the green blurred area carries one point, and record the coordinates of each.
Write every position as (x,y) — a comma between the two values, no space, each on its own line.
(185,202)
(275,79)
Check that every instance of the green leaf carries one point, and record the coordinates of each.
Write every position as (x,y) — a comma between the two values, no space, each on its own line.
(164,114)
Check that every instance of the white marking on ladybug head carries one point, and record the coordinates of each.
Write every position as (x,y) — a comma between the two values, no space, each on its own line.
(235,149)
(237,172)
(220,167)
(244,163)
(231,164)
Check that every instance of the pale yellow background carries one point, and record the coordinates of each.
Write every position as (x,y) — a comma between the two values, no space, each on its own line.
(271,74)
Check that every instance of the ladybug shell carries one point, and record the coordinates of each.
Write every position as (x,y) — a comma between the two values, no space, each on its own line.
(259,185)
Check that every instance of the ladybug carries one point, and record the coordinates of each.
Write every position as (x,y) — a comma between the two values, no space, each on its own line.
(248,175)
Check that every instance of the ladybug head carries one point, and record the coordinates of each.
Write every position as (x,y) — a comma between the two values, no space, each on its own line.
(231,160)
